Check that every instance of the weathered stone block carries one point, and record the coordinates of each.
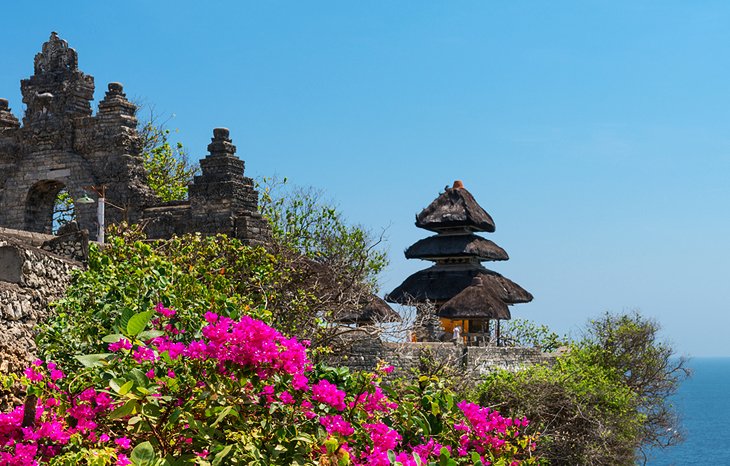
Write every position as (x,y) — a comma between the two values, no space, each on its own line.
(12,262)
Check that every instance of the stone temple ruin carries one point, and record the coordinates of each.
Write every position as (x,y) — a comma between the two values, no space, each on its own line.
(62,145)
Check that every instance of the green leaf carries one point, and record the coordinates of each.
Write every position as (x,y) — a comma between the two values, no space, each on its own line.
(223,414)
(115,384)
(138,322)
(112,338)
(143,454)
(331,444)
(124,389)
(139,377)
(221,454)
(127,314)
(444,457)
(150,334)
(123,411)
(93,360)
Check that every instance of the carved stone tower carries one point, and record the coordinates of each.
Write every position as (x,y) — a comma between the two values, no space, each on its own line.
(62,146)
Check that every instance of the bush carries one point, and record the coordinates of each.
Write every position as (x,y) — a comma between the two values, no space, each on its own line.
(194,274)
(603,402)
(241,393)
(583,410)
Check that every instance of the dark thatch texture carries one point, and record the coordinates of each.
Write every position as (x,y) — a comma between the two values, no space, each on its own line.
(477,301)
(455,208)
(439,284)
(373,310)
(441,246)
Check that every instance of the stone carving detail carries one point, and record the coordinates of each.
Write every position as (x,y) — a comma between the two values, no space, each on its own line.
(56,55)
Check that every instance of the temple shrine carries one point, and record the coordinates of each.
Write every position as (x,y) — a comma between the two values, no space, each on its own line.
(463,291)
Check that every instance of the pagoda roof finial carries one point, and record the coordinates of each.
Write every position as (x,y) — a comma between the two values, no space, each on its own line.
(455,208)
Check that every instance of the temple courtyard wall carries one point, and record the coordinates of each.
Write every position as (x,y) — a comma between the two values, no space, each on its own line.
(364,351)
(31,277)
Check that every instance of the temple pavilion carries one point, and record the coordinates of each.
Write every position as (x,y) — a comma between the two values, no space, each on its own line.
(463,291)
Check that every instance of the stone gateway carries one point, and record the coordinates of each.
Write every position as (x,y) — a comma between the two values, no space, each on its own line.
(61,145)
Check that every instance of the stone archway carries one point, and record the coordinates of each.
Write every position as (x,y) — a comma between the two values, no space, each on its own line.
(39,204)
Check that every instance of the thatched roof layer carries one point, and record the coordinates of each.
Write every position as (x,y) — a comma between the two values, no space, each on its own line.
(441,283)
(476,301)
(373,310)
(455,208)
(441,246)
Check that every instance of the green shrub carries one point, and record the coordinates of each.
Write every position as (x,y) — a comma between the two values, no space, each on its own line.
(191,273)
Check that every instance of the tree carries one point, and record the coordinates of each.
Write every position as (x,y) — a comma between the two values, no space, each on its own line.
(169,170)
(523,332)
(302,220)
(604,402)
(63,210)
(629,345)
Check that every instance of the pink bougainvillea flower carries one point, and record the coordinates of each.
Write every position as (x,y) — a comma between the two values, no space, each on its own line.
(336,425)
(120,344)
(328,393)
(161,309)
(32,375)
(123,442)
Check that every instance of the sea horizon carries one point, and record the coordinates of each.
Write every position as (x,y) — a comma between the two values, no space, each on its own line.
(703,404)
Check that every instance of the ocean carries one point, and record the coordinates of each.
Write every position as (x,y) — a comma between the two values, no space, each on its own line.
(703,401)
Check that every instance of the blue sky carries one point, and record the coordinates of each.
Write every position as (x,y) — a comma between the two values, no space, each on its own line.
(596,133)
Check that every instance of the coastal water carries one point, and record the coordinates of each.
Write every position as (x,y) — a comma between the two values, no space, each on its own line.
(704,403)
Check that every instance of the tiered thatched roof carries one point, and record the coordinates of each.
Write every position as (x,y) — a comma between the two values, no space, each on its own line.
(372,310)
(458,284)
(455,208)
(440,246)
(477,301)
(439,284)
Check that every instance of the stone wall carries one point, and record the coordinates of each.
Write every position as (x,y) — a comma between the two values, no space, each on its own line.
(74,245)
(363,351)
(30,278)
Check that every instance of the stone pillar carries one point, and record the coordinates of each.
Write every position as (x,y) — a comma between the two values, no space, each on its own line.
(221,175)
(115,109)
(222,199)
(7,119)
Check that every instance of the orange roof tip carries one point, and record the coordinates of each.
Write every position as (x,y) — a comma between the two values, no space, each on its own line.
(458,185)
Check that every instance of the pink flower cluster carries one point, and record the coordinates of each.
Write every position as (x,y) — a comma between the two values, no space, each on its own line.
(328,393)
(374,402)
(481,426)
(250,342)
(336,425)
(26,440)
(268,371)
